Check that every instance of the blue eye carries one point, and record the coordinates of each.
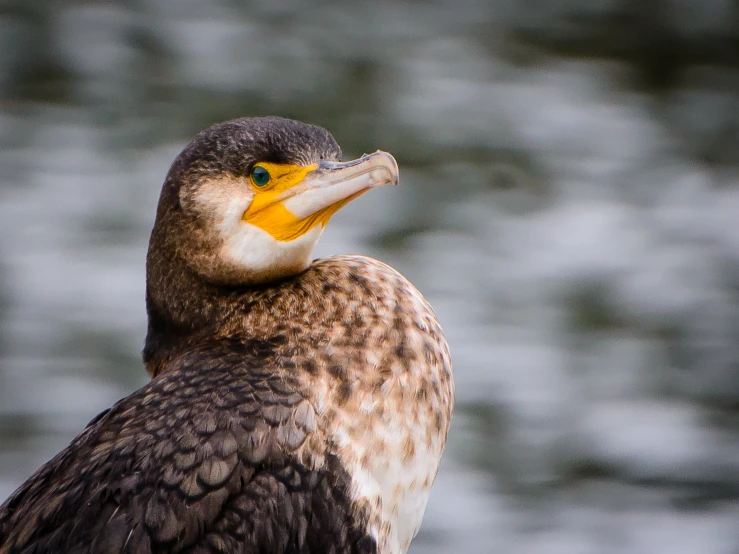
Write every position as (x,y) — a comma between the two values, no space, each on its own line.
(260,176)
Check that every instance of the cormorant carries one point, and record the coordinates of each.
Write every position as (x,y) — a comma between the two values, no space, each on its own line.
(294,406)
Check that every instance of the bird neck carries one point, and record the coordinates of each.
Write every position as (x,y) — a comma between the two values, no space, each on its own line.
(186,312)
(180,307)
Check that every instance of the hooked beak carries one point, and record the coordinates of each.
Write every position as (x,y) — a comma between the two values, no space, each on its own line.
(334,184)
(291,212)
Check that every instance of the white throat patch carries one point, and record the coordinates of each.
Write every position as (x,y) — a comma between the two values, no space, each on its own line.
(265,257)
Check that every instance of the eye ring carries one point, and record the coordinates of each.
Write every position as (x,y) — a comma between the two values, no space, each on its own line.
(260,176)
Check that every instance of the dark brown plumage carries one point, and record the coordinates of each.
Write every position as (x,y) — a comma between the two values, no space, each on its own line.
(302,415)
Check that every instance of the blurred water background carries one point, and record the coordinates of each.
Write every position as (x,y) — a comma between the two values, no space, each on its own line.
(569,203)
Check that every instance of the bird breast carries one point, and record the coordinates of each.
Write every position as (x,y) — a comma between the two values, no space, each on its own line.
(384,396)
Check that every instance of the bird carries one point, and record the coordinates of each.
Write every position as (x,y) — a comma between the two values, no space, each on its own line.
(294,405)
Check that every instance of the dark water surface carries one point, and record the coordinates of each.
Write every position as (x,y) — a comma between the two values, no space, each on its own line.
(568,203)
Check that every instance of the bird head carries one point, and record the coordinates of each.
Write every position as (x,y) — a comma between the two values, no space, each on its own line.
(247,200)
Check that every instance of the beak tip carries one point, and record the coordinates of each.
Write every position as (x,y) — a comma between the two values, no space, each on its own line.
(390,165)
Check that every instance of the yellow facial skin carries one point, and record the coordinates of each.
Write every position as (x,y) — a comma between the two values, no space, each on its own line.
(298,198)
(269,214)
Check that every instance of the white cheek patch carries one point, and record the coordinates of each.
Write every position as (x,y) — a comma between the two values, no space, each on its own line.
(231,212)
(260,253)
